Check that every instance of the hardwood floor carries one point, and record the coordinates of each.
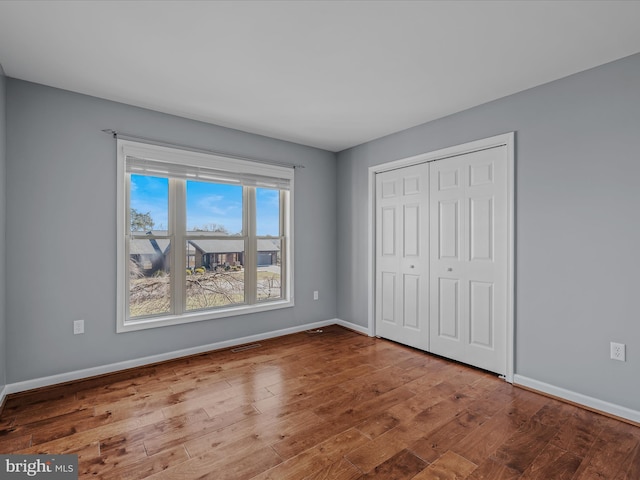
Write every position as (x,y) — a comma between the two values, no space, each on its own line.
(333,405)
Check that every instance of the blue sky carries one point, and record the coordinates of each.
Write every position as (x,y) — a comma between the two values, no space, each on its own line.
(207,203)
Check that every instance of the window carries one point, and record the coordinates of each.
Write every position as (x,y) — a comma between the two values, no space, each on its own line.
(200,236)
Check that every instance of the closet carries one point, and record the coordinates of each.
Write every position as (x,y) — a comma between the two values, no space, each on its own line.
(442,256)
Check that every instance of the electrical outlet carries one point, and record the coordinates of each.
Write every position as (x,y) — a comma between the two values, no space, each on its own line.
(78,327)
(315,295)
(618,351)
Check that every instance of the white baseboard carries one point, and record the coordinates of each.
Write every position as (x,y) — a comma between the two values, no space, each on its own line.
(578,398)
(139,362)
(353,326)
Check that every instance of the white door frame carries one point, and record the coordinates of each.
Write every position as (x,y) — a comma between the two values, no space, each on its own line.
(506,139)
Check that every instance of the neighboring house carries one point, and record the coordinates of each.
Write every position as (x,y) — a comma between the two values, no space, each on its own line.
(268,252)
(150,254)
(219,251)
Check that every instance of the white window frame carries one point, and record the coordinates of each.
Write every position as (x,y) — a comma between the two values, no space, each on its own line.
(234,168)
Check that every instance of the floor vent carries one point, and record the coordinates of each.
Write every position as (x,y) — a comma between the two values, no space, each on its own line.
(246,347)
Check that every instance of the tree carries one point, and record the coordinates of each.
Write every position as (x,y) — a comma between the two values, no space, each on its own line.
(212,227)
(140,222)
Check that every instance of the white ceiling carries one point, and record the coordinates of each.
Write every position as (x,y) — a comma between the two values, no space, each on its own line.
(328,74)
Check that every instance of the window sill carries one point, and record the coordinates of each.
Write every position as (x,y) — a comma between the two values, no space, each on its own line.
(168,320)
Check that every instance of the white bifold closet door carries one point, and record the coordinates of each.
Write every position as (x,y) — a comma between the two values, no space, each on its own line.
(441,257)
(468,261)
(402,255)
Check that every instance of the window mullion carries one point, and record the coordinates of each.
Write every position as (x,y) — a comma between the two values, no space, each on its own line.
(251,245)
(178,226)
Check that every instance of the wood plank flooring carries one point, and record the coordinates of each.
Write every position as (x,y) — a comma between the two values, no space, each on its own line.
(332,405)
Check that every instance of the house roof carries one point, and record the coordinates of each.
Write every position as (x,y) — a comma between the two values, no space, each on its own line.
(149,246)
(234,245)
(153,246)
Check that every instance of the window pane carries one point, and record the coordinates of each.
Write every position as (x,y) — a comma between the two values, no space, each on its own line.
(149,204)
(269,269)
(149,276)
(267,212)
(214,207)
(217,276)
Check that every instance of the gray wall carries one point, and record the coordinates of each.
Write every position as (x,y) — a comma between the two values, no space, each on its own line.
(3,203)
(577,194)
(61,243)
